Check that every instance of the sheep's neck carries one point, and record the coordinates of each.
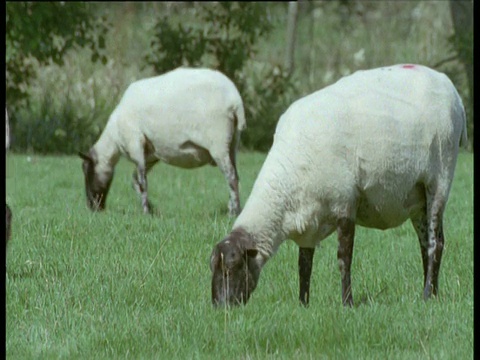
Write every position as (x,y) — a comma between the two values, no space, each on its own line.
(107,152)
(263,217)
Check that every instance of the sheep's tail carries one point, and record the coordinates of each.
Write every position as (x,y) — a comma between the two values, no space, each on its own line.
(239,124)
(464,138)
(239,113)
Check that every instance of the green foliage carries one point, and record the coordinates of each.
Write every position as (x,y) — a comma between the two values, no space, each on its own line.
(268,93)
(172,47)
(462,44)
(46,31)
(459,68)
(227,31)
(334,39)
(225,38)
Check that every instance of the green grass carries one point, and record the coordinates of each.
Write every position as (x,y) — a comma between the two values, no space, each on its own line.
(121,285)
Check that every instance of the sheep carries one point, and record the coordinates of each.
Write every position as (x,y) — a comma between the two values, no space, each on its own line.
(374,149)
(187,117)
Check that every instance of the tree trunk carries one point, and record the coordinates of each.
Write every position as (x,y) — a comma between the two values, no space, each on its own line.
(291,34)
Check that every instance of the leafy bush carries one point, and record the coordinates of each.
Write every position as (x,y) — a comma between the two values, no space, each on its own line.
(268,93)
(63,119)
(45,31)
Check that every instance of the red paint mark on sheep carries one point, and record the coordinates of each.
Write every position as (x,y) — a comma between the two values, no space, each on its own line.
(408,66)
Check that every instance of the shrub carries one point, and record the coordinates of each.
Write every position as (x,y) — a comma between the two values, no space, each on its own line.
(45,32)
(63,118)
(268,93)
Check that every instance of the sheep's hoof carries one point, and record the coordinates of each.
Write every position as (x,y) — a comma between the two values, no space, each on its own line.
(148,209)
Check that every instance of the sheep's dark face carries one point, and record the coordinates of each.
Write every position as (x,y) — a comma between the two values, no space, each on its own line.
(96,188)
(235,269)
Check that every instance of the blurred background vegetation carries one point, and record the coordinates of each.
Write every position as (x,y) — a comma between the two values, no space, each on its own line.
(68,63)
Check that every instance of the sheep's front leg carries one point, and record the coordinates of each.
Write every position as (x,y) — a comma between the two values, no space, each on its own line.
(346,234)
(141,186)
(305,262)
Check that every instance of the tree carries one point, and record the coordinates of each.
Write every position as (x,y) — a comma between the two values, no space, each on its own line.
(45,31)
(291,35)
(229,33)
(225,39)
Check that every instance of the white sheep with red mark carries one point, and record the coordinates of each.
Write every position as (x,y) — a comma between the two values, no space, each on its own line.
(375,149)
(186,117)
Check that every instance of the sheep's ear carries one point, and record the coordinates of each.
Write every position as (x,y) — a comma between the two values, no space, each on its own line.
(84,156)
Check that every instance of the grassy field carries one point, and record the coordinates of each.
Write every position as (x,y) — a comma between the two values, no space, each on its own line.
(121,285)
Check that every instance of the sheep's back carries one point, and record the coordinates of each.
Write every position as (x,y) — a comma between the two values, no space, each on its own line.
(394,121)
(368,142)
(183,105)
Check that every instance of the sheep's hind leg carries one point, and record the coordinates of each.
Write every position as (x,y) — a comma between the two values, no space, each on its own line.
(305,262)
(140,185)
(420,224)
(227,167)
(435,207)
(346,234)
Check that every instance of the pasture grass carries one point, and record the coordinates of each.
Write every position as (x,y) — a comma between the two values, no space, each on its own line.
(122,285)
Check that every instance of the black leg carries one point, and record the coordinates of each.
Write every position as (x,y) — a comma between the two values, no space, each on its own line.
(435,250)
(346,234)
(305,261)
(420,224)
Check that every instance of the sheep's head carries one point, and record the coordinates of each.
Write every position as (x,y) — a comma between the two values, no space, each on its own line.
(96,185)
(235,269)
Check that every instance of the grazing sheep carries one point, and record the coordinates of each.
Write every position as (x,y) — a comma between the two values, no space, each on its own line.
(186,118)
(374,149)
